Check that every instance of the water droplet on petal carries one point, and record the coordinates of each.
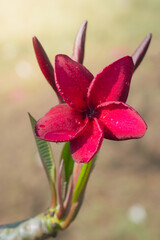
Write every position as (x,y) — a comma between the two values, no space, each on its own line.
(42,126)
(127,83)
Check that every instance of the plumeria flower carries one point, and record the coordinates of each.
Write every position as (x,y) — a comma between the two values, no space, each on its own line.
(95,107)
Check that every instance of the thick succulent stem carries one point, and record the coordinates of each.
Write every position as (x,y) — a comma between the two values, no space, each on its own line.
(38,228)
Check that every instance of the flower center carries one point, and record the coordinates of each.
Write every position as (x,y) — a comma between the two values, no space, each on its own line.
(90,113)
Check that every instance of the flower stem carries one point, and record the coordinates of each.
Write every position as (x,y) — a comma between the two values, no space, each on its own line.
(61,207)
(70,216)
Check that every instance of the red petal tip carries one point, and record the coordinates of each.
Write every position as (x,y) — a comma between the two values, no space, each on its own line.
(60,124)
(45,65)
(72,81)
(112,83)
(140,52)
(79,44)
(43,61)
(85,147)
(120,121)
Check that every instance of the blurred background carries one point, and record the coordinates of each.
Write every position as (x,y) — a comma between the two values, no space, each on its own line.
(123,194)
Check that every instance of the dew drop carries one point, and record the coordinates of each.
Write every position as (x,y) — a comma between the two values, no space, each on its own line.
(42,126)
(127,83)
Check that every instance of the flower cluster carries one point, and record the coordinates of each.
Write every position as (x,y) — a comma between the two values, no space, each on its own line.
(93,108)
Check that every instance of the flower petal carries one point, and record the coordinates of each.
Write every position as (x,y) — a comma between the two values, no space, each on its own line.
(44,62)
(84,148)
(112,83)
(45,65)
(61,123)
(72,80)
(140,52)
(120,121)
(79,44)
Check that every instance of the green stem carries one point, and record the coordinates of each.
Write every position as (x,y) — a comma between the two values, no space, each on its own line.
(49,223)
(82,180)
(70,216)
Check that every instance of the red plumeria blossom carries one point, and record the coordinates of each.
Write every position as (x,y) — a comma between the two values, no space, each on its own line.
(94,107)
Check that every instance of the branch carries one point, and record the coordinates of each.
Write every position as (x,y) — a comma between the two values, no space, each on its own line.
(39,228)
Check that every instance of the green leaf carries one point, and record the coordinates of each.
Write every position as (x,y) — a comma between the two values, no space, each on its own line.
(68,163)
(82,180)
(46,156)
